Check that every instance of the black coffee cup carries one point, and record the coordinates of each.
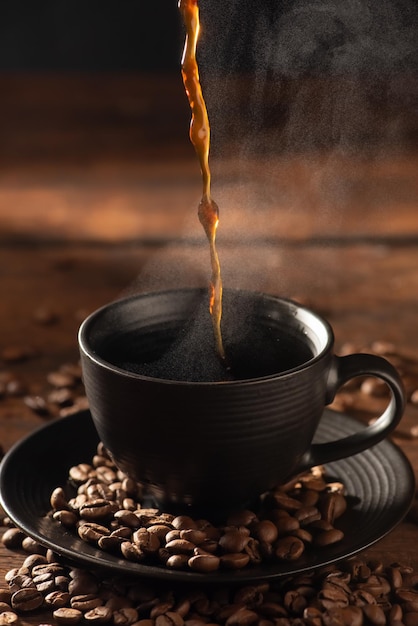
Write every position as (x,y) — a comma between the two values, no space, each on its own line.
(205,438)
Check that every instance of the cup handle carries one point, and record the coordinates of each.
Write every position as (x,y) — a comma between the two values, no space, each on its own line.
(343,369)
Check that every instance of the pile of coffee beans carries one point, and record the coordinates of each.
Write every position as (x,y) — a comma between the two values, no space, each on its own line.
(105,508)
(353,593)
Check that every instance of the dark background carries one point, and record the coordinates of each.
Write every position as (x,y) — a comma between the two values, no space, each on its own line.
(281,36)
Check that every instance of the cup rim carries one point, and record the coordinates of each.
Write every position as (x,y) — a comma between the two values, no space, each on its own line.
(301,311)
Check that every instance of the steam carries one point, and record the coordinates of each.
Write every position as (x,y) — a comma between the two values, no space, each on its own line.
(342,37)
(327,80)
(372,46)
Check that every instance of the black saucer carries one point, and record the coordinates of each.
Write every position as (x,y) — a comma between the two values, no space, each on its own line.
(380,484)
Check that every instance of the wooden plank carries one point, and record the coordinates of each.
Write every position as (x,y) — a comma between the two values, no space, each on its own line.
(108,158)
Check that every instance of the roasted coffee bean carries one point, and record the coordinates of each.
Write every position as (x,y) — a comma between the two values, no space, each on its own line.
(61,378)
(159,608)
(57,599)
(98,509)
(37,404)
(285,523)
(85,602)
(289,548)
(235,539)
(12,538)
(177,561)
(128,518)
(99,615)
(63,397)
(161,530)
(32,546)
(242,617)
(27,599)
(180,546)
(92,532)
(332,506)
(8,617)
(82,582)
(132,552)
(234,560)
(148,542)
(204,563)
(124,616)
(266,531)
(286,502)
(244,517)
(183,522)
(328,537)
(67,616)
(253,550)
(307,514)
(193,535)
(374,614)
(66,518)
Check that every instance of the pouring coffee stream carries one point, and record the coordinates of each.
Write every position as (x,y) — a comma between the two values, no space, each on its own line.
(208,211)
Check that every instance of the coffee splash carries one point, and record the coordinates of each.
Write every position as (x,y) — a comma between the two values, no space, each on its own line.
(208,210)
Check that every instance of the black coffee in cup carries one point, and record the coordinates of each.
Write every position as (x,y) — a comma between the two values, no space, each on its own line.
(184,349)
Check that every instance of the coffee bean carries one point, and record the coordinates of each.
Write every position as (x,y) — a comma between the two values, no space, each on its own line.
(265,530)
(149,542)
(128,518)
(193,535)
(125,616)
(132,552)
(8,617)
(289,548)
(98,509)
(410,619)
(234,539)
(82,582)
(286,502)
(176,561)
(204,563)
(374,614)
(234,560)
(62,397)
(57,599)
(66,518)
(180,546)
(61,379)
(245,517)
(332,506)
(85,602)
(92,532)
(307,514)
(169,618)
(32,546)
(183,522)
(12,538)
(328,537)
(242,617)
(80,473)
(67,616)
(37,404)
(99,615)
(27,599)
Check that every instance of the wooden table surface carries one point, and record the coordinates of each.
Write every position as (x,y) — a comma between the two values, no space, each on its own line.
(98,194)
